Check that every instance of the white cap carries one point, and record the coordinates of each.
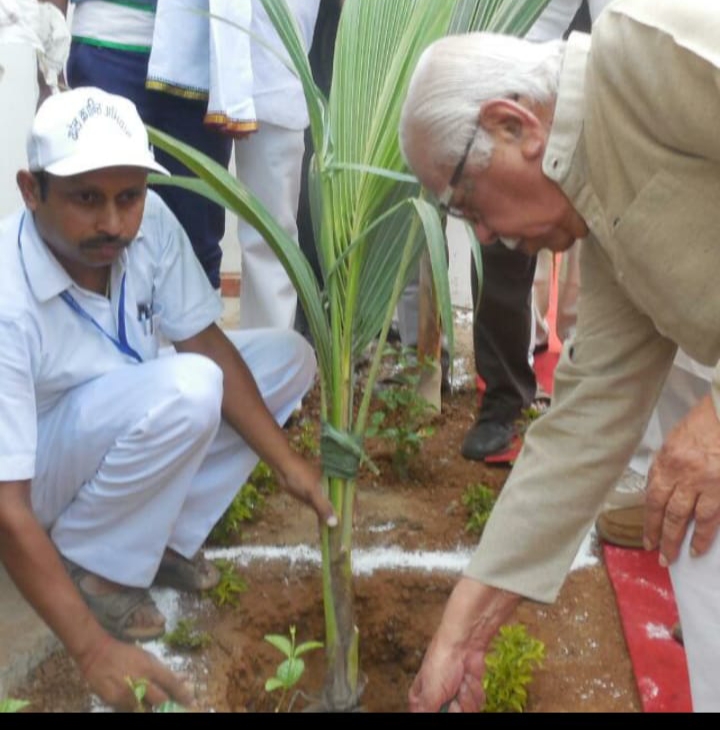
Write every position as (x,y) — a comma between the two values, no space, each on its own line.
(88,129)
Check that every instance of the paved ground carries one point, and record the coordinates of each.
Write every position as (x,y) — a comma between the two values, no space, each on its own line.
(24,639)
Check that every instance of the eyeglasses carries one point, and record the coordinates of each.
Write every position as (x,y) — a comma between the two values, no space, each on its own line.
(446,196)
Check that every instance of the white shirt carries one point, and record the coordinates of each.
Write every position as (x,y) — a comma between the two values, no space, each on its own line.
(277,91)
(47,348)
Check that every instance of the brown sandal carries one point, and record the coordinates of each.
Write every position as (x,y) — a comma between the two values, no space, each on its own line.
(114,611)
(196,574)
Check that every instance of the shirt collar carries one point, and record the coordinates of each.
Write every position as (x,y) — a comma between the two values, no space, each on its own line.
(567,125)
(46,276)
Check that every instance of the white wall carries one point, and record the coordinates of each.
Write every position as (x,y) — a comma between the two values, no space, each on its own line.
(18,96)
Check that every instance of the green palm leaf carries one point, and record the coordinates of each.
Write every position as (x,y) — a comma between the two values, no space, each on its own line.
(372,225)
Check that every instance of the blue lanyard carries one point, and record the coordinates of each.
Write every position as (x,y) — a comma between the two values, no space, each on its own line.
(121,341)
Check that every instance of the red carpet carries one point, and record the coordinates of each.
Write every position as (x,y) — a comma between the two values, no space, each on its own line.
(642,588)
(647,610)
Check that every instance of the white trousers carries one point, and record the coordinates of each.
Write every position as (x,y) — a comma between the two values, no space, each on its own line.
(140,459)
(269,163)
(688,381)
(696,581)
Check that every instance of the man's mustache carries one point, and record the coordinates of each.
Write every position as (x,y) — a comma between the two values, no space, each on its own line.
(100,241)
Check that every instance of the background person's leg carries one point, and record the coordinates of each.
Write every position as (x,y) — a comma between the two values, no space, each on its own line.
(568,292)
(321,57)
(203,220)
(501,339)
(269,163)
(542,284)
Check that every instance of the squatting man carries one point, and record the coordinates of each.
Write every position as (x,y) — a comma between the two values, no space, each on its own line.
(117,459)
(611,139)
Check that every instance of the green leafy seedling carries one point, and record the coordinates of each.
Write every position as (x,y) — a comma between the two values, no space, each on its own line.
(479,500)
(11,705)
(244,508)
(263,478)
(230,586)
(288,672)
(401,417)
(186,637)
(514,656)
(168,707)
(139,690)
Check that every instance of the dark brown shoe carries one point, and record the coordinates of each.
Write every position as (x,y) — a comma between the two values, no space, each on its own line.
(622,527)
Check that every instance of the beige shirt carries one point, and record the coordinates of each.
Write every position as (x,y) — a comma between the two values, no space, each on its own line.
(635,146)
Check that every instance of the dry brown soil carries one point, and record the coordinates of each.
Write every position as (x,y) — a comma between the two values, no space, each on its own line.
(586,668)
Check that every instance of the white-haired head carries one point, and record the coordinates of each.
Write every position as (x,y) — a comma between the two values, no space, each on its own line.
(454,78)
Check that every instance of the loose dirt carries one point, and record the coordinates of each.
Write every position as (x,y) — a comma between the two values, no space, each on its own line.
(586,666)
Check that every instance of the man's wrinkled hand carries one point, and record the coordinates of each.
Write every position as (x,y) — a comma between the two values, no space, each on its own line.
(684,485)
(451,675)
(450,679)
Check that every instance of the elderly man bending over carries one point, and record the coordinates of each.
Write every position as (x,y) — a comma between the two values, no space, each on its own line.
(611,139)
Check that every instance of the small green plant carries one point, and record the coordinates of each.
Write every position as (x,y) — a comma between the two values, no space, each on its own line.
(263,478)
(231,585)
(291,669)
(479,500)
(401,418)
(514,656)
(11,705)
(186,637)
(139,690)
(244,508)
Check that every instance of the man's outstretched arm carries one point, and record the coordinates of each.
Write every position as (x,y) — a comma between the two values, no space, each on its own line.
(451,675)
(34,565)
(245,410)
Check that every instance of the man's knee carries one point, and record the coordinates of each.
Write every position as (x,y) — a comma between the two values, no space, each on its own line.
(302,354)
(195,383)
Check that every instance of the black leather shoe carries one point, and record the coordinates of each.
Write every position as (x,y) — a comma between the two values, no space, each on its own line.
(486,438)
